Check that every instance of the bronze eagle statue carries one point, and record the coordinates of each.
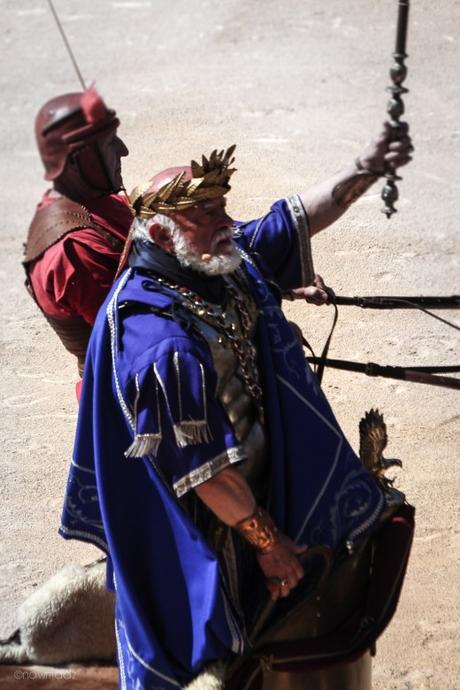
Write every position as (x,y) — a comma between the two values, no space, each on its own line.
(373,440)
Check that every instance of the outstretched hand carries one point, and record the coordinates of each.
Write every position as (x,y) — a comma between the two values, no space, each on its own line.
(317,293)
(392,148)
(282,567)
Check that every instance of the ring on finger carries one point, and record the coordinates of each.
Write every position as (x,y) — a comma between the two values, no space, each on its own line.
(284,582)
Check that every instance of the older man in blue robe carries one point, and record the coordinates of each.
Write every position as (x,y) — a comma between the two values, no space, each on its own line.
(208,464)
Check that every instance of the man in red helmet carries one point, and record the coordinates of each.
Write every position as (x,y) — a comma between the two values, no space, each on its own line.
(80,226)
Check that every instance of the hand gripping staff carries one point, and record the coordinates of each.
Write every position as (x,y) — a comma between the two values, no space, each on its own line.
(395,106)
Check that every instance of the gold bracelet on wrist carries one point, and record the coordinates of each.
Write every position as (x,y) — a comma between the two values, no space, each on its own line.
(259,531)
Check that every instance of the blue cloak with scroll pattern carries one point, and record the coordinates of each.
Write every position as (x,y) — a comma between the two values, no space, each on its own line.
(150,429)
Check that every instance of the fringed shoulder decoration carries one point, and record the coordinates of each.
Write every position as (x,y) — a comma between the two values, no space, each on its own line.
(179,380)
(147,419)
(183,383)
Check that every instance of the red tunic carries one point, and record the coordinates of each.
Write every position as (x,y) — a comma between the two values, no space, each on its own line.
(74,275)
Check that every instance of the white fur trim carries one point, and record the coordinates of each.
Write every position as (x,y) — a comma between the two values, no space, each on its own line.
(211,679)
(69,618)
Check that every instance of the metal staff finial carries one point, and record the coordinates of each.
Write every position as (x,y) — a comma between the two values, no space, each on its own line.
(395,106)
(67,44)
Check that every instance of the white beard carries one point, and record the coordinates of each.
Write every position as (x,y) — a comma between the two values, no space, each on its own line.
(218,264)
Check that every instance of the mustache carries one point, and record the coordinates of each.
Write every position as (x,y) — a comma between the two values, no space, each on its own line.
(223,234)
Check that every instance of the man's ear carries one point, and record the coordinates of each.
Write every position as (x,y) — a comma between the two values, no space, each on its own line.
(162,237)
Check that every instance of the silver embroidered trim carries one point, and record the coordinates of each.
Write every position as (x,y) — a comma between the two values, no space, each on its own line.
(119,624)
(79,467)
(163,387)
(208,470)
(188,432)
(121,663)
(179,391)
(245,256)
(136,399)
(179,387)
(143,444)
(143,663)
(111,307)
(301,224)
(192,433)
(203,391)
(77,533)
(256,231)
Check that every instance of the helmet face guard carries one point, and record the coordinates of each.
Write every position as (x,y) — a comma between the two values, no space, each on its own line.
(72,125)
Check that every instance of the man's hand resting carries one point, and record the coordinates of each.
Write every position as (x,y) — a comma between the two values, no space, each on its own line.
(282,567)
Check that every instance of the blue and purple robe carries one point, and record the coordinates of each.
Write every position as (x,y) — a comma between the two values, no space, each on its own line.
(151,428)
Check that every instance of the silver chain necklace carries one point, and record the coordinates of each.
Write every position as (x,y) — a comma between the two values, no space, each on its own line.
(217,317)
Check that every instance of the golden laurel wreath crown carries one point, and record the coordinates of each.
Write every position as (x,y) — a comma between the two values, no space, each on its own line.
(209,181)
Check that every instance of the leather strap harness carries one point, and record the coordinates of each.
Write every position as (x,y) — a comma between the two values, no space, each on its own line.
(50,224)
(415,374)
(53,222)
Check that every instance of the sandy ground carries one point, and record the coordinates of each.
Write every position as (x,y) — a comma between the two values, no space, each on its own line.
(300,87)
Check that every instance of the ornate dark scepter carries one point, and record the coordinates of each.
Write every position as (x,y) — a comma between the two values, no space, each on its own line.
(395,106)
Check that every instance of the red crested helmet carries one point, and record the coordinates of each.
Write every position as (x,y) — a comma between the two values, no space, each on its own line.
(68,123)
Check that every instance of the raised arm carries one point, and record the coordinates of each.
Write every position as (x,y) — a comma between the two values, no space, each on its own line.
(326,201)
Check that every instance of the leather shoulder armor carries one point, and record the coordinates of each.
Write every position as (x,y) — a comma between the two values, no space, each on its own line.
(53,222)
